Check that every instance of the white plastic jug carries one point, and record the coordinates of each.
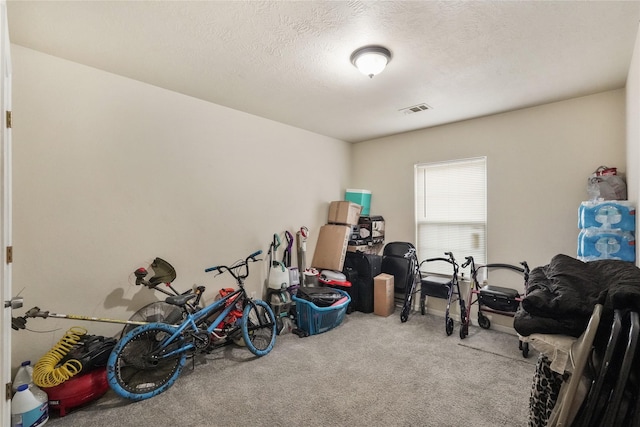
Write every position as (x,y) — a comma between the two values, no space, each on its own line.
(27,410)
(25,376)
(278,276)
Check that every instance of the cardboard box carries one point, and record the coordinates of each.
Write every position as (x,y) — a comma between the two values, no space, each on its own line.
(383,295)
(331,247)
(344,213)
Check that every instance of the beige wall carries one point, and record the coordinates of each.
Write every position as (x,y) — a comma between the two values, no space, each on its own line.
(110,173)
(538,161)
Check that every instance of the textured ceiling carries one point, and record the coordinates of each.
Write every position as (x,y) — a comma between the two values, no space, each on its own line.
(289,60)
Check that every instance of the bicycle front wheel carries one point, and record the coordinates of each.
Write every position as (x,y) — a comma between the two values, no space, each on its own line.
(136,368)
(258,325)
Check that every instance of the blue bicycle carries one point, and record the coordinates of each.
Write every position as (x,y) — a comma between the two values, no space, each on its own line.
(149,359)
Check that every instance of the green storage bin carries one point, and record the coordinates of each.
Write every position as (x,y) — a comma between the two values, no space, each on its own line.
(361,197)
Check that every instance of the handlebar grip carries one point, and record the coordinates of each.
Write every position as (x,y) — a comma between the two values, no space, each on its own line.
(256,253)
(206,270)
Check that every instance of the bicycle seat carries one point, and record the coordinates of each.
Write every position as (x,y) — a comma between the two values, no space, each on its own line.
(179,300)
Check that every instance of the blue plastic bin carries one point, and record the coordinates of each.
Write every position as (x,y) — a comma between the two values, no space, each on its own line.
(316,320)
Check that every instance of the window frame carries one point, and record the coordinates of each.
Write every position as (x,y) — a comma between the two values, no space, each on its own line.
(475,225)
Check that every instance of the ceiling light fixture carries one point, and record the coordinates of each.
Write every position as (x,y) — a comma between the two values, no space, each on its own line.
(371,60)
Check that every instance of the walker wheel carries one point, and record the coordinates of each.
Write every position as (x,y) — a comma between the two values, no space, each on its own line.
(484,321)
(464,331)
(404,315)
(449,326)
(525,350)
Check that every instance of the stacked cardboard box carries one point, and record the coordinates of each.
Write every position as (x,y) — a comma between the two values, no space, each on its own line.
(333,239)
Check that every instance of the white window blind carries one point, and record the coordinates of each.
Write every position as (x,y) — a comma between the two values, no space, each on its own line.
(451,212)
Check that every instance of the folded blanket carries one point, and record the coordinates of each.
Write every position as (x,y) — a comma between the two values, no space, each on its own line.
(526,324)
(562,294)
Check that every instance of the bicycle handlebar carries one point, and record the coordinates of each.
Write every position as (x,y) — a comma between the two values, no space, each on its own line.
(238,276)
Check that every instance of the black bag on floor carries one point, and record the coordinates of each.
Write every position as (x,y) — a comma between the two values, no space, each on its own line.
(360,269)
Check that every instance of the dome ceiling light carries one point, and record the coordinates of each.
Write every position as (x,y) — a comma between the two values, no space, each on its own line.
(371,60)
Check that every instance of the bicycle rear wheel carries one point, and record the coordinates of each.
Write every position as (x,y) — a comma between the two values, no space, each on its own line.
(136,369)
(258,325)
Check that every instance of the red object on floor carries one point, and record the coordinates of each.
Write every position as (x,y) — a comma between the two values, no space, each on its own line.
(334,283)
(78,390)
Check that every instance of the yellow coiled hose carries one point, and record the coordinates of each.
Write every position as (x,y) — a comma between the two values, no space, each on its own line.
(45,372)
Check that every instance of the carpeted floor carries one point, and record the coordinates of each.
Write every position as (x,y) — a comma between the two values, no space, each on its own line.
(369,371)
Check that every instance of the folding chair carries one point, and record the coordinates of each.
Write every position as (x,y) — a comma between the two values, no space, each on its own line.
(400,260)
(569,400)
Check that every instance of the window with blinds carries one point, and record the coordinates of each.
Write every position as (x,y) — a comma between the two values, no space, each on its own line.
(451,212)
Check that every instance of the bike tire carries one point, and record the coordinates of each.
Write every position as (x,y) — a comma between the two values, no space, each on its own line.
(132,372)
(258,326)
(155,312)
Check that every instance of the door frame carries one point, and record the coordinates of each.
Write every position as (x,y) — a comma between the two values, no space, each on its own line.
(5,216)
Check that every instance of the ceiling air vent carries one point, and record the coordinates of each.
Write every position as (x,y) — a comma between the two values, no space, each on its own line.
(415,109)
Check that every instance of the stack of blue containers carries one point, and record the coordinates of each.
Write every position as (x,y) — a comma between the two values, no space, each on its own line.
(607,230)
